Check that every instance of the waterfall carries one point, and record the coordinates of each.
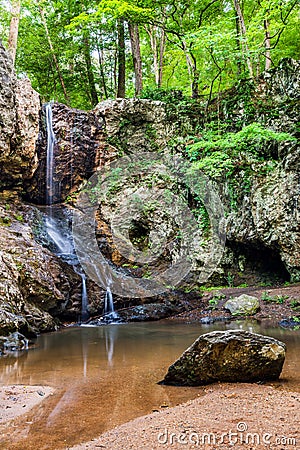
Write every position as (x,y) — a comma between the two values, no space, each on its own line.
(109,303)
(62,242)
(60,235)
(84,300)
(50,155)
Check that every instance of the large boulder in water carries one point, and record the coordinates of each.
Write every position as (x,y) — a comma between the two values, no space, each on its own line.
(228,356)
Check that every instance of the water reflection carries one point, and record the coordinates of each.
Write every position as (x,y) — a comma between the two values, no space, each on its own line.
(111,335)
(107,375)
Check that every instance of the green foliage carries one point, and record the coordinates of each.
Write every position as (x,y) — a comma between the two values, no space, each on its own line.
(251,139)
(215,165)
(211,288)
(201,45)
(295,303)
(230,279)
(278,299)
(19,217)
(213,303)
(164,95)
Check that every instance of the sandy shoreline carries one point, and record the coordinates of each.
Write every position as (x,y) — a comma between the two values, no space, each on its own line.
(252,416)
(16,400)
(257,416)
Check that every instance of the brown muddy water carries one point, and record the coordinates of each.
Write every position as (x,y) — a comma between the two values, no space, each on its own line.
(105,376)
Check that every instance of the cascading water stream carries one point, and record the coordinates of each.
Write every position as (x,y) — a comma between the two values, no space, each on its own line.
(84,300)
(60,235)
(109,304)
(50,155)
(62,241)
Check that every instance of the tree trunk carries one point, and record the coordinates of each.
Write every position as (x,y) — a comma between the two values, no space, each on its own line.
(238,46)
(267,45)
(121,59)
(54,55)
(243,31)
(136,56)
(161,57)
(90,74)
(14,28)
(151,30)
(192,69)
(102,75)
(195,85)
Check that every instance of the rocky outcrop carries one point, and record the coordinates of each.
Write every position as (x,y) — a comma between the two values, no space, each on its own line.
(143,313)
(7,104)
(263,224)
(265,217)
(15,342)
(136,125)
(228,356)
(19,126)
(244,305)
(28,107)
(268,217)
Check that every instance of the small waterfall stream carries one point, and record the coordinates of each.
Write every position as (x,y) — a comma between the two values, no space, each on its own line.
(50,155)
(109,309)
(109,303)
(58,230)
(84,300)
(62,241)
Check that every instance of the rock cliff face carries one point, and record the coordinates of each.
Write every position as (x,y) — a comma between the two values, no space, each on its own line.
(263,226)
(19,126)
(267,216)
(133,125)
(7,103)
(86,141)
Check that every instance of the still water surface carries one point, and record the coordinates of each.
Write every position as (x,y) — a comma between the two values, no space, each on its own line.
(105,376)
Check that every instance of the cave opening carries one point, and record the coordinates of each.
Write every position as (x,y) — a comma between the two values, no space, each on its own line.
(257,264)
(139,234)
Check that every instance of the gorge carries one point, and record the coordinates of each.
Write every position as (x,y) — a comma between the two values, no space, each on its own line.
(49,152)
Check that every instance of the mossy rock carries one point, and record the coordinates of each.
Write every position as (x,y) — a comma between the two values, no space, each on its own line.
(244,305)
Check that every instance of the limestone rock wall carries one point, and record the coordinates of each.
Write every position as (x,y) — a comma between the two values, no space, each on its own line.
(134,125)
(265,221)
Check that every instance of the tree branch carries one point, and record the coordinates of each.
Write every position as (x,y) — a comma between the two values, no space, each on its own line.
(203,11)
